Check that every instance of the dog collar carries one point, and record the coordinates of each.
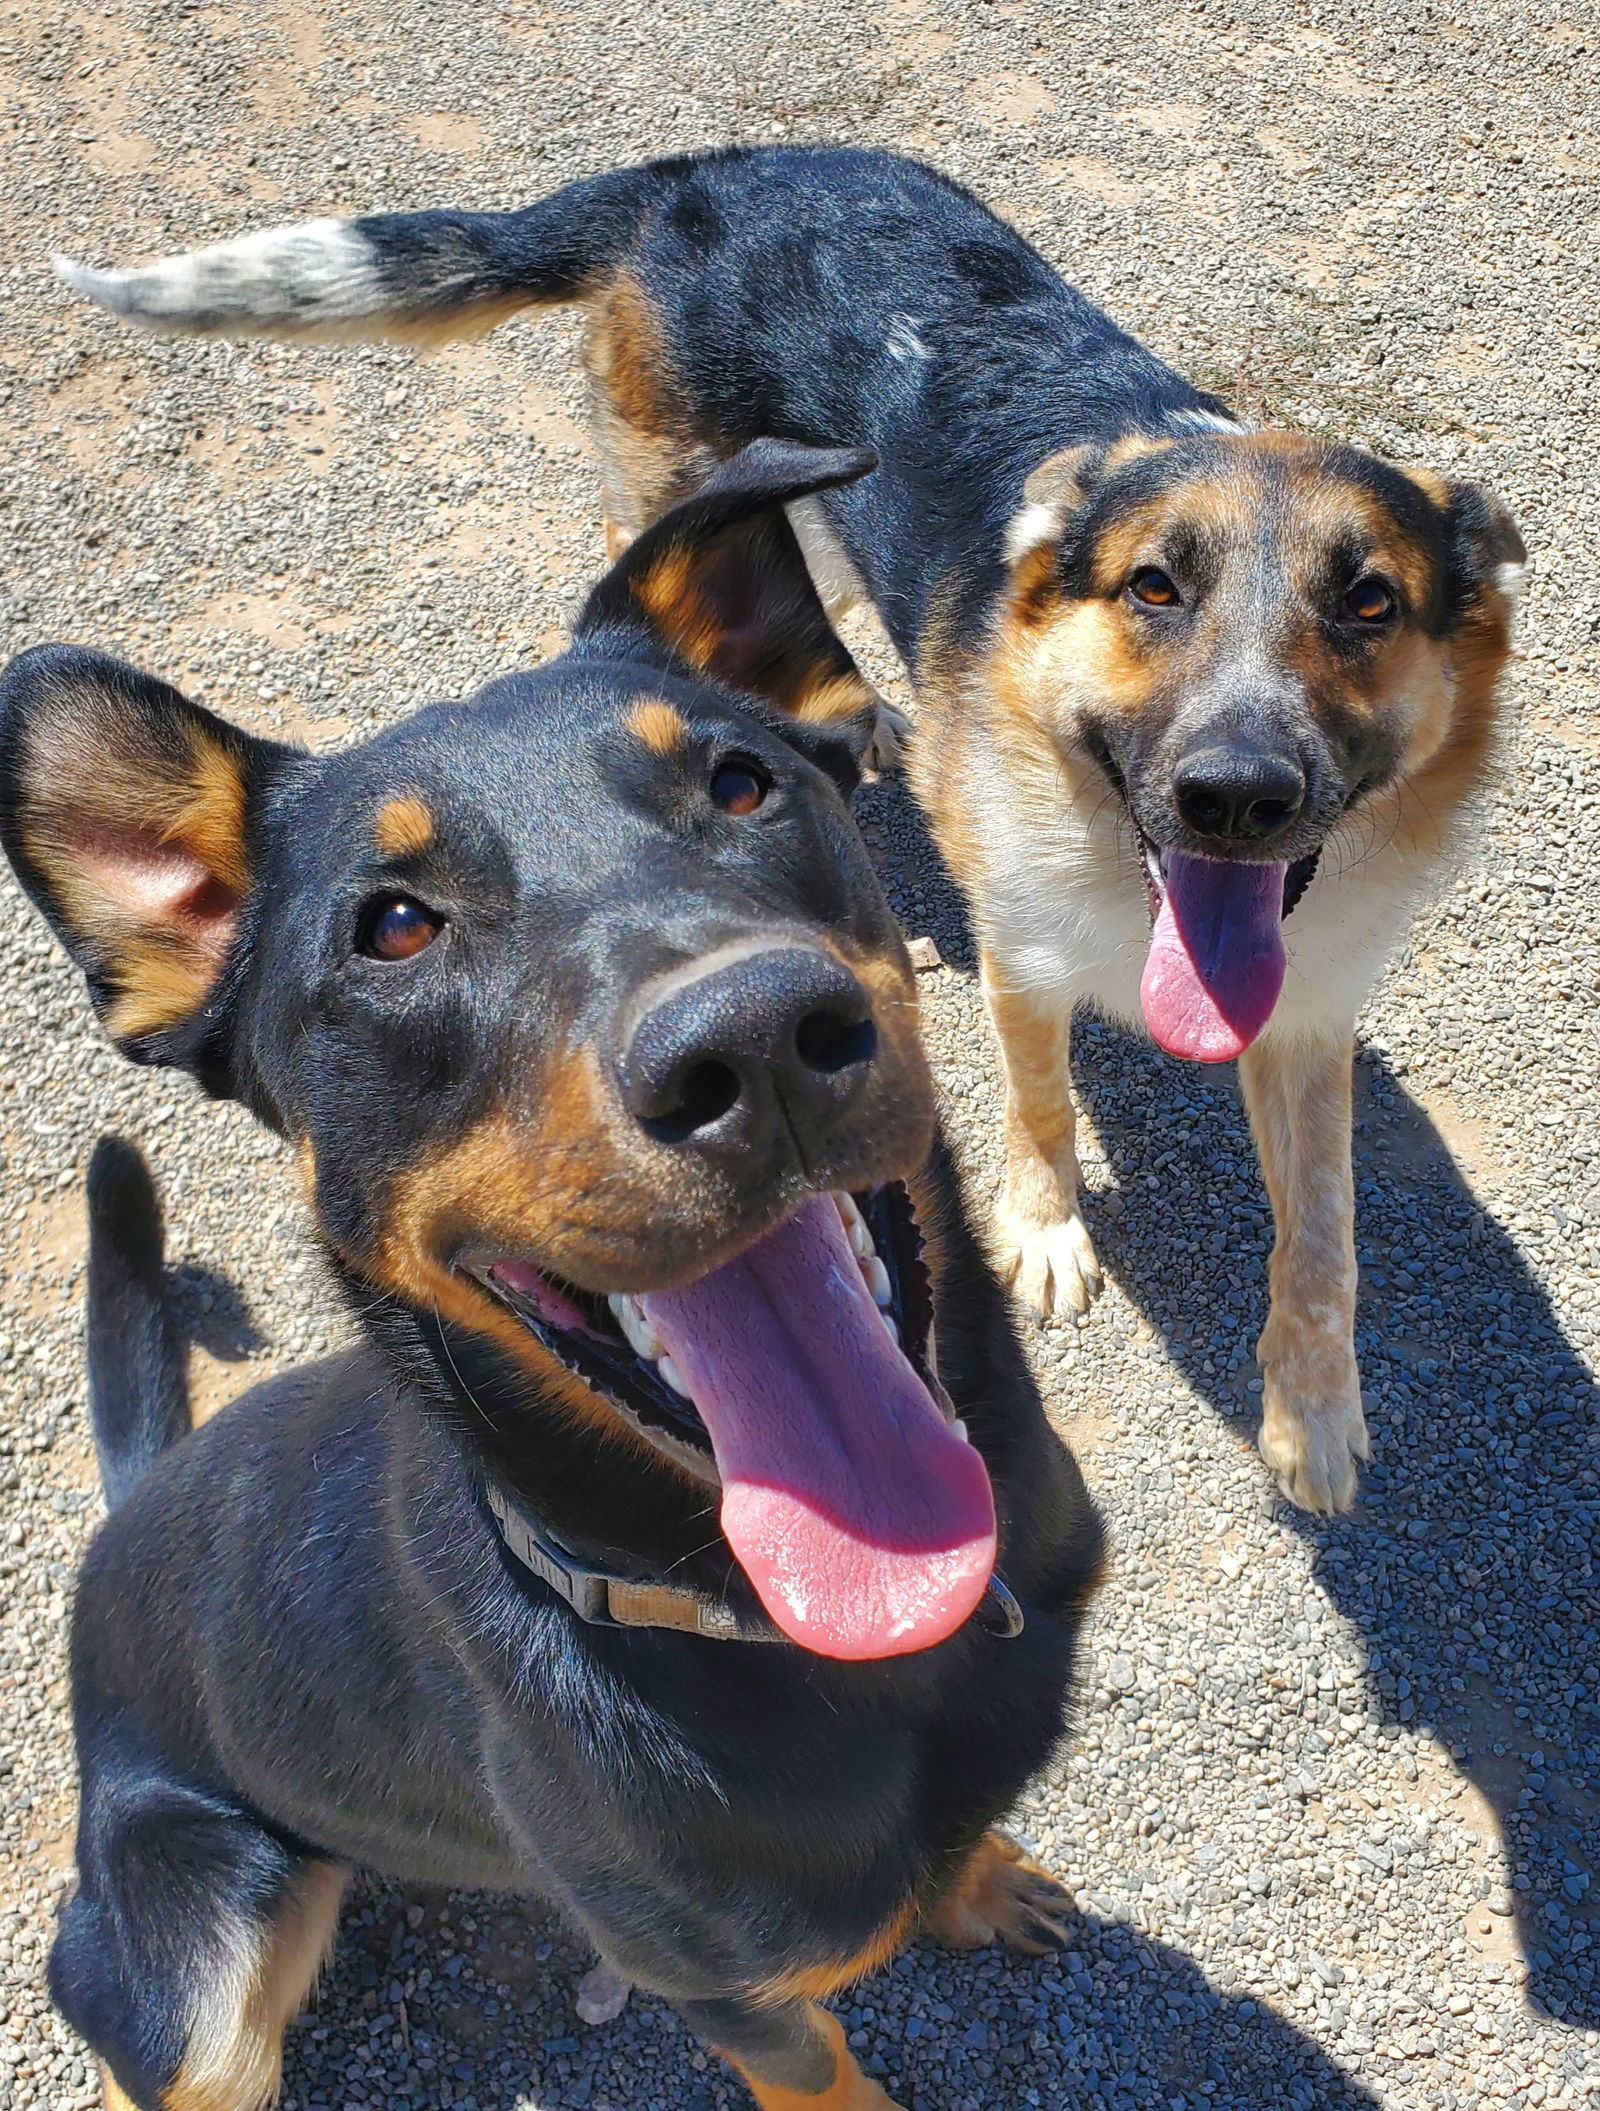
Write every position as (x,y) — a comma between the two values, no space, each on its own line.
(603,1599)
(607,1600)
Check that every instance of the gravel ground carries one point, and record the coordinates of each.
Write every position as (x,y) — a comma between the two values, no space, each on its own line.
(1333,1811)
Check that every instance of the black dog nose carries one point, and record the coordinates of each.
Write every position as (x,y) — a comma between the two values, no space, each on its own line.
(779,1038)
(1238,793)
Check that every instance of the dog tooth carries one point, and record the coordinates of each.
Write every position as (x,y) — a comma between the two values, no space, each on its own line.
(674,1377)
(888,1319)
(960,1429)
(876,1278)
(641,1336)
(855,1225)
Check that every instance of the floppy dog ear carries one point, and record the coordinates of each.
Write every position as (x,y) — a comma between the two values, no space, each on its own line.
(720,584)
(127,813)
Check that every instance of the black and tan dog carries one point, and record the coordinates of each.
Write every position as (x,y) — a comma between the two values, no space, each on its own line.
(1172,671)
(639,1556)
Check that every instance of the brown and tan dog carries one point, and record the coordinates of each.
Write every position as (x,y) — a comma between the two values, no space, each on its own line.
(1178,678)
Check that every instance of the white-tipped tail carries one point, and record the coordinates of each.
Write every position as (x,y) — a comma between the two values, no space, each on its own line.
(320,278)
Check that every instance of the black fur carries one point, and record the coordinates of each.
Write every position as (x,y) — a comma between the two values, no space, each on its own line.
(139,1387)
(299,1640)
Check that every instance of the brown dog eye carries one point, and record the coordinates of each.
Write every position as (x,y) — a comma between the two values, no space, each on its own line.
(1368,601)
(394,927)
(1152,586)
(739,787)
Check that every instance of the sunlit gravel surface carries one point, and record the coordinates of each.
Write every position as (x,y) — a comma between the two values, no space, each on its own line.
(1332,1815)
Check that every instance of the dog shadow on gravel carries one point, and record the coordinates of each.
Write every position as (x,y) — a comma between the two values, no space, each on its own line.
(432,2001)
(1468,1564)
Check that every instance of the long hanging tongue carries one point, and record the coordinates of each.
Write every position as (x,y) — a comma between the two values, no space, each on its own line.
(1216,963)
(865,1524)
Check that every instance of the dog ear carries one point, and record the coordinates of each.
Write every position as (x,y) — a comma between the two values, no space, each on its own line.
(1487,550)
(1054,491)
(720,585)
(842,747)
(128,814)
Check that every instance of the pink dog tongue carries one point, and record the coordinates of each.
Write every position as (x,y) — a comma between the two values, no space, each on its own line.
(1215,965)
(865,1524)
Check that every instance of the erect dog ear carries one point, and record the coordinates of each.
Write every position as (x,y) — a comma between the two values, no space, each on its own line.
(1055,494)
(128,814)
(1487,554)
(720,585)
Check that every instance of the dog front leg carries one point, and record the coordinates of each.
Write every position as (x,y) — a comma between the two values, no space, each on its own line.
(1313,1433)
(1042,1245)
(792,2054)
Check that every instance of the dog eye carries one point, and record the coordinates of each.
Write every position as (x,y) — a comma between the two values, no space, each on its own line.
(1154,589)
(739,786)
(1368,601)
(395,927)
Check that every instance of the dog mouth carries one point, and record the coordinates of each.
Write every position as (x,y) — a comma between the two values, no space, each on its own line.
(798,1379)
(1216,964)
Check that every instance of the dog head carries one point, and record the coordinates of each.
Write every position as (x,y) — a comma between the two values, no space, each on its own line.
(1246,637)
(590,1022)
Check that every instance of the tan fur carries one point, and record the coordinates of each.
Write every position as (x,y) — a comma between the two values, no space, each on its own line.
(403,828)
(999,1895)
(1044,1250)
(649,456)
(144,848)
(816,1982)
(234,2054)
(661,729)
(670,596)
(572,1187)
(1312,1428)
(114,2098)
(827,688)
(850,2089)
(815,680)
(650,460)
(1036,837)
(891,983)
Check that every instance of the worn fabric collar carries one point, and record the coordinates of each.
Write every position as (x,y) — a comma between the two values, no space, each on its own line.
(604,1599)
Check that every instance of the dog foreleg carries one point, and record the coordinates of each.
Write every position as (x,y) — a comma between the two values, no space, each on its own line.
(1042,1245)
(1313,1433)
(792,2055)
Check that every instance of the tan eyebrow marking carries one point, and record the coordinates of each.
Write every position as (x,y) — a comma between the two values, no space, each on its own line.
(403,828)
(660,727)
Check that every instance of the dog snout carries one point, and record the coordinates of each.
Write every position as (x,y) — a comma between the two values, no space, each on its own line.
(778,1040)
(1239,791)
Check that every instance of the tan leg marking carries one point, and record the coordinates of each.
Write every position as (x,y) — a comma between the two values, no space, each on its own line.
(234,2056)
(850,2089)
(115,2098)
(1042,1245)
(1313,1433)
(1000,1895)
(638,414)
(815,1982)
(617,536)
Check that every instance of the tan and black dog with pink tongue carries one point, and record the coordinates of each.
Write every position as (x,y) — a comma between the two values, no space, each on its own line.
(1241,683)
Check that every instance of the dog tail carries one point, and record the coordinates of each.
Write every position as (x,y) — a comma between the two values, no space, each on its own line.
(417,278)
(138,1384)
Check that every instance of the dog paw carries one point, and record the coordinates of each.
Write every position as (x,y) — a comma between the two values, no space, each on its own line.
(1051,1267)
(1315,1447)
(1001,1896)
(891,732)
